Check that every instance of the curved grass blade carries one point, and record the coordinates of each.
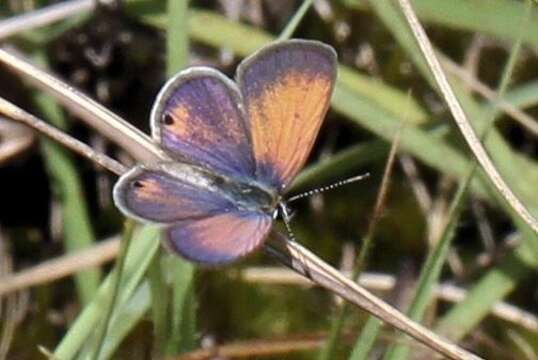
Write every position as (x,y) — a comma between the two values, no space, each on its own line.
(77,231)
(118,270)
(144,246)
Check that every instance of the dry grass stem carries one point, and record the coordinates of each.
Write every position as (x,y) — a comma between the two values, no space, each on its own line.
(14,140)
(110,125)
(385,283)
(471,58)
(384,187)
(304,262)
(524,119)
(15,113)
(418,186)
(61,267)
(254,348)
(13,308)
(44,16)
(461,119)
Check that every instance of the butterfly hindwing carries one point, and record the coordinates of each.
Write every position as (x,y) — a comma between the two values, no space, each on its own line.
(198,119)
(218,239)
(286,89)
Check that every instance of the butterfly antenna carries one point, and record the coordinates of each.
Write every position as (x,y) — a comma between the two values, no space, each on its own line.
(328,187)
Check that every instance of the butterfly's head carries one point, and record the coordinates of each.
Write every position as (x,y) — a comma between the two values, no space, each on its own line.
(284,211)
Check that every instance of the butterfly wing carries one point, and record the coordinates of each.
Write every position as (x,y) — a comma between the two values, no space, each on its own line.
(201,223)
(218,239)
(197,118)
(286,88)
(160,194)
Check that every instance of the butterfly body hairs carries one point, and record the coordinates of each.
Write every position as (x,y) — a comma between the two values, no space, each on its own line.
(234,147)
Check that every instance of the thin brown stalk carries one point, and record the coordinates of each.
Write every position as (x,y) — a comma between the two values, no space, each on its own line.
(13,309)
(15,113)
(14,140)
(385,283)
(304,262)
(461,119)
(253,348)
(43,16)
(424,199)
(524,345)
(110,125)
(64,266)
(380,200)
(272,347)
(384,187)
(471,58)
(525,120)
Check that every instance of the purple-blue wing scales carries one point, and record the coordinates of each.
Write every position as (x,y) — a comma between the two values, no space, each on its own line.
(218,239)
(197,118)
(154,194)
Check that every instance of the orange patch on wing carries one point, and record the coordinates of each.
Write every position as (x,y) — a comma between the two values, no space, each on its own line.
(148,189)
(186,125)
(179,127)
(286,118)
(152,190)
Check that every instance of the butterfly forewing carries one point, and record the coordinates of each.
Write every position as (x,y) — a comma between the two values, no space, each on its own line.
(286,89)
(198,118)
(155,193)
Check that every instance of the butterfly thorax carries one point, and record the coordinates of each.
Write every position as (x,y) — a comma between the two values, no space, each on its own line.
(250,196)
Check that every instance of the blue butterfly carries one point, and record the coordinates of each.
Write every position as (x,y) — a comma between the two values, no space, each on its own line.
(236,147)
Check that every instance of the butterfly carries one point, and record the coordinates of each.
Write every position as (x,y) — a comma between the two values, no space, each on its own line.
(235,149)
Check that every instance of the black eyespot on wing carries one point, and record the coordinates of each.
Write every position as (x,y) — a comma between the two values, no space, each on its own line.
(167,119)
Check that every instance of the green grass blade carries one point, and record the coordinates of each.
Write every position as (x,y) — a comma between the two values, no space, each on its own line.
(341,164)
(117,273)
(77,230)
(413,140)
(491,288)
(295,20)
(431,269)
(144,246)
(365,342)
(159,302)
(183,317)
(523,96)
(499,18)
(328,350)
(126,318)
(177,40)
